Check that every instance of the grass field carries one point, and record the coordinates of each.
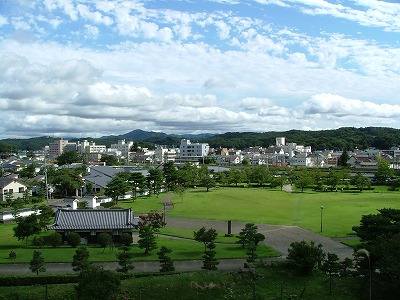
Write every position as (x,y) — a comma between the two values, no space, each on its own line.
(341,211)
(181,249)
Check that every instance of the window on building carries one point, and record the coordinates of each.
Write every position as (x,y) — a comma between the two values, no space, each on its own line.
(21,189)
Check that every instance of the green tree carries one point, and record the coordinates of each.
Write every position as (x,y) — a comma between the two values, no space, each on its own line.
(80,260)
(38,241)
(26,227)
(155,180)
(9,197)
(343,158)
(170,173)
(205,236)
(384,171)
(306,256)
(236,176)
(73,239)
(69,157)
(279,180)
(166,263)
(331,266)
(147,239)
(138,183)
(250,235)
(125,261)
(55,239)
(109,160)
(46,215)
(104,239)
(360,181)
(97,283)
(28,171)
(260,175)
(37,263)
(206,178)
(67,181)
(303,180)
(116,188)
(126,239)
(209,260)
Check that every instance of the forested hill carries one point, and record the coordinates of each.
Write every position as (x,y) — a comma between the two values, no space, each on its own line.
(336,139)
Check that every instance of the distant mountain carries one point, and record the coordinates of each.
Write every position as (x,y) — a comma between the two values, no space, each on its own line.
(335,139)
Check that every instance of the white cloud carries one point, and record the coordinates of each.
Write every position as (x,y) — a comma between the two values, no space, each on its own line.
(3,20)
(339,106)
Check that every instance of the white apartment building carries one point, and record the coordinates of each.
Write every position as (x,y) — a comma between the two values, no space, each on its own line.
(163,154)
(192,152)
(91,147)
(122,146)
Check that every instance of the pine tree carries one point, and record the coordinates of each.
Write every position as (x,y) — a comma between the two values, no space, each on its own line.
(166,262)
(80,260)
(209,260)
(37,263)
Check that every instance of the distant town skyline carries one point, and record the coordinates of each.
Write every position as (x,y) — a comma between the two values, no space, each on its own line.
(96,68)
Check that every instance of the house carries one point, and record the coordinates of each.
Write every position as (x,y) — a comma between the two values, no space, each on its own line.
(89,223)
(11,185)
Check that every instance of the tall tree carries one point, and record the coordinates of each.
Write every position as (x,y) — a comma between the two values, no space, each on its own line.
(80,260)
(171,175)
(37,263)
(117,188)
(27,226)
(138,183)
(343,158)
(125,261)
(384,172)
(69,157)
(209,260)
(147,239)
(166,263)
(205,236)
(155,180)
(306,256)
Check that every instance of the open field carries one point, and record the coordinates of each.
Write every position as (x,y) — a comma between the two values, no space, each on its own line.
(341,211)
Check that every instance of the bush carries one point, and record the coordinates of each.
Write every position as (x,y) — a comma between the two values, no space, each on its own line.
(55,239)
(38,241)
(126,239)
(104,239)
(97,283)
(73,239)
(306,256)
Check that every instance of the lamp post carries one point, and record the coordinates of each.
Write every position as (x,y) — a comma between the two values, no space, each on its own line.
(322,208)
(164,205)
(366,253)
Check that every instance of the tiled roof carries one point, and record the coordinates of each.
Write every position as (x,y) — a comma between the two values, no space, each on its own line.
(87,219)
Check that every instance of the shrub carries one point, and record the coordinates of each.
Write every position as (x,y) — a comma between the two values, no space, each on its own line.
(104,239)
(38,241)
(126,239)
(73,239)
(55,239)
(306,256)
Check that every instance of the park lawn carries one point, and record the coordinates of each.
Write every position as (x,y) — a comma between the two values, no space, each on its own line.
(182,250)
(143,205)
(342,210)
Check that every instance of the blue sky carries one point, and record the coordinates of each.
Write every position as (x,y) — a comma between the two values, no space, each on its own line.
(93,68)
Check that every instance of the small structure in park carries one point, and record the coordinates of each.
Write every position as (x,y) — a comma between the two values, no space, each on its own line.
(89,223)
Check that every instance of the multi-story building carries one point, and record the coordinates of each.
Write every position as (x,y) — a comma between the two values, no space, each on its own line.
(163,154)
(56,148)
(122,146)
(192,152)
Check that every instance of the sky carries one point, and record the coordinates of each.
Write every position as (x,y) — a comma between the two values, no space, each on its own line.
(91,68)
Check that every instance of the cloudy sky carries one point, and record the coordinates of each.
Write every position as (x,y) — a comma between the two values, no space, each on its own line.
(93,68)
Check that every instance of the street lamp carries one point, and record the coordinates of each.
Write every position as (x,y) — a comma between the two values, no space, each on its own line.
(322,208)
(366,253)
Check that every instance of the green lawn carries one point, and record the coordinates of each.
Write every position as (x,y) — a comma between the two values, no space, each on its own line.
(264,206)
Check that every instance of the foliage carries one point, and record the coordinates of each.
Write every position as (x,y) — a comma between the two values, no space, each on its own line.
(343,158)
(110,160)
(155,180)
(205,236)
(126,239)
(166,263)
(306,256)
(67,181)
(28,171)
(153,219)
(80,260)
(55,239)
(125,261)
(27,226)
(97,283)
(73,239)
(250,235)
(138,182)
(117,187)
(104,239)
(384,171)
(360,181)
(170,173)
(209,260)
(147,240)
(37,263)
(38,241)
(331,266)
(68,157)
(45,216)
